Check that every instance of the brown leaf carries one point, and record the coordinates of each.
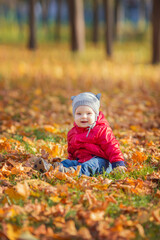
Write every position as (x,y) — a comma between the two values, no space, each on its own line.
(41,230)
(157,193)
(143,216)
(70,228)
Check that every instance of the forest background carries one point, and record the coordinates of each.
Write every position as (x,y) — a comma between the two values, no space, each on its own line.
(51,50)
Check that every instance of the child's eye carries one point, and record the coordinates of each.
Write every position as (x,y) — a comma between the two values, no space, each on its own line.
(78,113)
(89,113)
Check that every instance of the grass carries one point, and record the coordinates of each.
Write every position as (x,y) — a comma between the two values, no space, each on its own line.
(11,33)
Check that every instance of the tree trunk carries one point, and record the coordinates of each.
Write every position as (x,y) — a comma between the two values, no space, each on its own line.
(44,11)
(108,11)
(156,31)
(95,21)
(77,25)
(116,17)
(142,11)
(58,21)
(32,26)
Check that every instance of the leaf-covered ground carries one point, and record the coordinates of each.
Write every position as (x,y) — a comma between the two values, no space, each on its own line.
(35,115)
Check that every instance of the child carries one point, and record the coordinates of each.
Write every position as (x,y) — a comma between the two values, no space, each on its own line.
(91,142)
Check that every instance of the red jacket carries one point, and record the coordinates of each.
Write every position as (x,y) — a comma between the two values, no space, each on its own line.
(100,142)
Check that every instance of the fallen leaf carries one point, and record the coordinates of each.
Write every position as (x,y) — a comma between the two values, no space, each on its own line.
(140,230)
(23,189)
(13,232)
(26,236)
(156,215)
(84,233)
(70,228)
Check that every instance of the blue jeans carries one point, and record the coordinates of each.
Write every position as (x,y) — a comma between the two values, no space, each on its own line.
(95,165)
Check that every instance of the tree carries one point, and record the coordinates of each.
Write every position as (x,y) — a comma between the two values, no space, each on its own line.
(116,16)
(77,25)
(32,26)
(95,21)
(108,12)
(45,12)
(58,21)
(156,31)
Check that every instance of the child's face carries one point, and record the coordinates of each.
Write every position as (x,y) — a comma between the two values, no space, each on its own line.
(84,116)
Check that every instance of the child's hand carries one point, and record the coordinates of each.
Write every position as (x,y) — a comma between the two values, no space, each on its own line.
(120,169)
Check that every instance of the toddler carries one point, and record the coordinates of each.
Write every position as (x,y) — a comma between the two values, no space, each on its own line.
(91,142)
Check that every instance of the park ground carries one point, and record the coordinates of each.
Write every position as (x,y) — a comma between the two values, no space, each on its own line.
(35,116)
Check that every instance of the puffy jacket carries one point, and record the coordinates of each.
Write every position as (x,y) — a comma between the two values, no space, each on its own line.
(100,142)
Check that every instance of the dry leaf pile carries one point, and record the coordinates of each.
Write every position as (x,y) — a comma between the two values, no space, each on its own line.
(35,115)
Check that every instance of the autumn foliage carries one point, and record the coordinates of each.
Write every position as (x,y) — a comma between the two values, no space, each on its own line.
(35,115)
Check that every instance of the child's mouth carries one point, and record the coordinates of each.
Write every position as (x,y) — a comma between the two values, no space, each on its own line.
(83,121)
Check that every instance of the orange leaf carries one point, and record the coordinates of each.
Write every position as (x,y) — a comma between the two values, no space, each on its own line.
(5,170)
(63,176)
(2,212)
(139,157)
(50,129)
(5,146)
(156,215)
(83,232)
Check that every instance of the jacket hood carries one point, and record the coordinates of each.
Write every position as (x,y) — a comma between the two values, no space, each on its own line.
(101,120)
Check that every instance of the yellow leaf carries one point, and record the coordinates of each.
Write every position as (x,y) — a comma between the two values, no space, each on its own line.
(23,189)
(14,194)
(55,199)
(11,213)
(13,232)
(53,151)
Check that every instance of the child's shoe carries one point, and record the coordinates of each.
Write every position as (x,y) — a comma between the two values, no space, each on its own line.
(42,166)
